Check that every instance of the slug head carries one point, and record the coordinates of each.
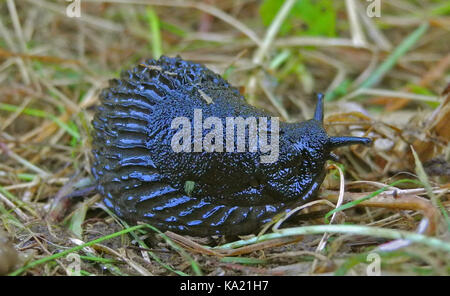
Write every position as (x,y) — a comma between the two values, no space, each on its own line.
(309,139)
(305,147)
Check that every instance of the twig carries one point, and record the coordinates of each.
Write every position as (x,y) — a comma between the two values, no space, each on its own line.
(24,162)
(16,209)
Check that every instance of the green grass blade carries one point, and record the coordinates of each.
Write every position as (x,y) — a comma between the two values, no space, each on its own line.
(387,233)
(392,59)
(156,43)
(243,260)
(39,113)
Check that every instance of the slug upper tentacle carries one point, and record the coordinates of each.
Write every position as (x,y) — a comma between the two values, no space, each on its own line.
(200,192)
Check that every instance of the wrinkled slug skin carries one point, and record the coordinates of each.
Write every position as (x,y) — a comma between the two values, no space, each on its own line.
(142,179)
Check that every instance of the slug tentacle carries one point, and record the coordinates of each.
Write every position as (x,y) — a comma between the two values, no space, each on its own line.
(318,114)
(336,142)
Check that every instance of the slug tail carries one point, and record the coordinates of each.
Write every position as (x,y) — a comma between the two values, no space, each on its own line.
(346,141)
(318,114)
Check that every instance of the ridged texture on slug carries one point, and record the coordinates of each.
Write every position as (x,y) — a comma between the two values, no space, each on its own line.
(143,179)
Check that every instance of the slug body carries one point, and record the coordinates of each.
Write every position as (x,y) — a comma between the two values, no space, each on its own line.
(142,178)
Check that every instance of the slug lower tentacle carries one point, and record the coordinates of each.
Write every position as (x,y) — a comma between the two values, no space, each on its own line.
(154,164)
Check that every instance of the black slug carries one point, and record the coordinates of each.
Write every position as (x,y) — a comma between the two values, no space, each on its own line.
(161,157)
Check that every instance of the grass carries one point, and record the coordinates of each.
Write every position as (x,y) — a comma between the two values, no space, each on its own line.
(396,54)
(382,77)
(348,229)
(154,24)
(74,249)
(373,194)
